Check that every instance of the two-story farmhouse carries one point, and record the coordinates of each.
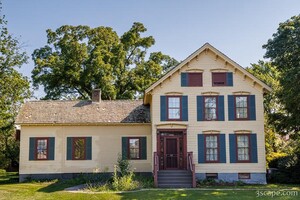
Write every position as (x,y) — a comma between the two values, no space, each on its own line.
(203,119)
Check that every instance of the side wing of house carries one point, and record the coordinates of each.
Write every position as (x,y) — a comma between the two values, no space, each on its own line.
(212,107)
(65,139)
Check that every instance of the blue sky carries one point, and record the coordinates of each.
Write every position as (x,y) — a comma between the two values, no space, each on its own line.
(238,28)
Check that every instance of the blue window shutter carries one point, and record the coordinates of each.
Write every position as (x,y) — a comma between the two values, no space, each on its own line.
(184,108)
(220,108)
(252,107)
(32,147)
(229,78)
(231,108)
(69,148)
(51,148)
(232,147)
(88,148)
(163,108)
(184,79)
(201,153)
(199,108)
(222,148)
(253,147)
(124,148)
(144,148)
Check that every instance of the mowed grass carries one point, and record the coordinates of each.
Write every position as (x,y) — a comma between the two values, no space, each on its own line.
(55,190)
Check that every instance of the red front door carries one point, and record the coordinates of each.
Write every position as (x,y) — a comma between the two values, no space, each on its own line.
(171,152)
(171,149)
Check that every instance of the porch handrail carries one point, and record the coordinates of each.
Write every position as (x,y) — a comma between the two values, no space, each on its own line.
(191,167)
(155,168)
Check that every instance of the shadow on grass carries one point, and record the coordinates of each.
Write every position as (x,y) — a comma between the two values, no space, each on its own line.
(60,185)
(178,194)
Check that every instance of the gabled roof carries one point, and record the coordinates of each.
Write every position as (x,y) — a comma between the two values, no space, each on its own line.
(205,47)
(83,112)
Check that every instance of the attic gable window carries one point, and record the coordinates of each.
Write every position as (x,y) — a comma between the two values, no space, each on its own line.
(222,79)
(191,79)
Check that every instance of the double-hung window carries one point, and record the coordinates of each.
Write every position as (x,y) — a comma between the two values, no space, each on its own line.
(79,148)
(241,107)
(210,108)
(42,148)
(134,148)
(243,147)
(174,108)
(211,148)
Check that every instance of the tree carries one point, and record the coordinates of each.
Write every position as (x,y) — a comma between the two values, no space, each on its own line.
(284,50)
(78,59)
(275,144)
(14,88)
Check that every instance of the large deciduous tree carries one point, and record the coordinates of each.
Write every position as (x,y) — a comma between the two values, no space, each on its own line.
(78,59)
(14,88)
(283,49)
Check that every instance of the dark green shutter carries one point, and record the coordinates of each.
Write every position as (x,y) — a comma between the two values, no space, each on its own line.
(199,108)
(220,108)
(125,148)
(201,153)
(252,108)
(229,78)
(222,148)
(163,108)
(184,108)
(232,148)
(144,148)
(184,79)
(88,148)
(253,147)
(69,148)
(32,147)
(231,107)
(51,148)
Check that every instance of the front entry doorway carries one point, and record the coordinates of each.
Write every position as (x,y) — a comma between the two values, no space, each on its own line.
(171,149)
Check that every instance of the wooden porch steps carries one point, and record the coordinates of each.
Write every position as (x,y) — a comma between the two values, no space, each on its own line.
(174,179)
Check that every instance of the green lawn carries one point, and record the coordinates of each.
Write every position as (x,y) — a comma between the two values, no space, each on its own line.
(9,189)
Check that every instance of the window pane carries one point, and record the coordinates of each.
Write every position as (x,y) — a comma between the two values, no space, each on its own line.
(210,108)
(211,148)
(42,148)
(79,148)
(134,148)
(243,147)
(241,107)
(174,102)
(174,108)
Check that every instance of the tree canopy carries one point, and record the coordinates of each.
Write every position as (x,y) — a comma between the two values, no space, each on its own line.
(14,88)
(283,49)
(78,59)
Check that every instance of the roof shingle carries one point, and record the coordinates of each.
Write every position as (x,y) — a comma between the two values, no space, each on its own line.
(80,112)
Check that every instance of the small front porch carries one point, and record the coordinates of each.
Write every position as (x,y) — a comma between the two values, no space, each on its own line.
(172,165)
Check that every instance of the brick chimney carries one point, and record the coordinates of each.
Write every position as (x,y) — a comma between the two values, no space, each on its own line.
(96,96)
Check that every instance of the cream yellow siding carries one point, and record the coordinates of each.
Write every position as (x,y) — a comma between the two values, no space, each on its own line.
(207,62)
(106,145)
